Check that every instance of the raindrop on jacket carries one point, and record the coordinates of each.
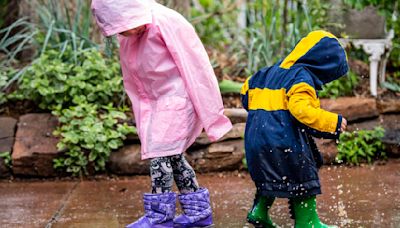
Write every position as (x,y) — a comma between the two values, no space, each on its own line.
(284,112)
(167,75)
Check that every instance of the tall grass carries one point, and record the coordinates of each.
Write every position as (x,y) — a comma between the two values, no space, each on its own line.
(14,39)
(64,23)
(273,29)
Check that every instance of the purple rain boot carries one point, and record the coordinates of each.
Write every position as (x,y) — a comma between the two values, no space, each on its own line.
(159,211)
(197,210)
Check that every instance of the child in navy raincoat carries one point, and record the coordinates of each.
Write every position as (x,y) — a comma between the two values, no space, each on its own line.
(283,113)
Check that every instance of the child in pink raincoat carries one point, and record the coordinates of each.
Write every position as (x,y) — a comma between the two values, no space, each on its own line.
(174,92)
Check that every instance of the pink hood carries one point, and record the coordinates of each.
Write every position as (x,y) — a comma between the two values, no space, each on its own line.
(114,17)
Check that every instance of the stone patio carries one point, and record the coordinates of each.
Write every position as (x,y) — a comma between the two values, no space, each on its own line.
(353,197)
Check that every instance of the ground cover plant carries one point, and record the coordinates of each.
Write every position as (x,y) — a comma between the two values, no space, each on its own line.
(88,134)
(361,146)
(6,156)
(86,98)
(55,81)
(342,87)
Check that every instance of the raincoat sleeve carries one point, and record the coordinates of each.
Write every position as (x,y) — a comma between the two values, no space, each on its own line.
(304,105)
(321,134)
(244,94)
(197,73)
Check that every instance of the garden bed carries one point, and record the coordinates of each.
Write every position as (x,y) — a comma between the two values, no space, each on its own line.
(33,145)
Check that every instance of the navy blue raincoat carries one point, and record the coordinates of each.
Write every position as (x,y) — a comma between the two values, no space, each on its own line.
(284,112)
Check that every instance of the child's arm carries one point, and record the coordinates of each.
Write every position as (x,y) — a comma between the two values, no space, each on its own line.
(197,73)
(305,107)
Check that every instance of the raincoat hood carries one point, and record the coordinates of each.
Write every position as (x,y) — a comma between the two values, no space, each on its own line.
(320,53)
(114,16)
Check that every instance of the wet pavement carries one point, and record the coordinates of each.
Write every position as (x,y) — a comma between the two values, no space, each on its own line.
(352,197)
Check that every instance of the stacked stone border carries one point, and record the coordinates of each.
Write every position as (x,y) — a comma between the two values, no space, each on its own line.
(33,147)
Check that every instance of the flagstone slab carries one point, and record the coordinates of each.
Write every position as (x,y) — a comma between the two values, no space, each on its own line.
(35,146)
(32,203)
(352,108)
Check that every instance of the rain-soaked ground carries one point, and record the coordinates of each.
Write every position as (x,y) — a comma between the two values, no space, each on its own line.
(352,197)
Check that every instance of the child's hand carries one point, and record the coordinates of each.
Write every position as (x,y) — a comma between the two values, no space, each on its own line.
(344,125)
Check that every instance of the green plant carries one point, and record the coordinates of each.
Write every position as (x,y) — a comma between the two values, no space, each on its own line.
(88,135)
(54,81)
(244,162)
(71,78)
(3,82)
(6,156)
(318,11)
(342,87)
(392,85)
(84,96)
(7,75)
(360,146)
(213,22)
(64,24)
(14,39)
(274,29)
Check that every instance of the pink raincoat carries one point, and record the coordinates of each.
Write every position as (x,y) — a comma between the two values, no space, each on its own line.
(167,75)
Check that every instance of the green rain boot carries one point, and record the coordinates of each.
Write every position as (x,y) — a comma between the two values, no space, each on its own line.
(258,216)
(304,212)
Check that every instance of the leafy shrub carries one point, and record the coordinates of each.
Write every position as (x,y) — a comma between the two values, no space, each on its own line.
(55,82)
(6,156)
(84,94)
(213,22)
(88,135)
(3,83)
(71,78)
(360,146)
(6,77)
(342,87)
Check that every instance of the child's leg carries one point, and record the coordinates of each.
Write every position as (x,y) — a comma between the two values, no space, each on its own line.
(161,174)
(304,211)
(184,175)
(195,201)
(160,205)
(259,215)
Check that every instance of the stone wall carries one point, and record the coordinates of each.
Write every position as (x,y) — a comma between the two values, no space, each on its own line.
(33,146)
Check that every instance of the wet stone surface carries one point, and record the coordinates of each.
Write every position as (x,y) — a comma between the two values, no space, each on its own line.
(35,147)
(7,130)
(352,108)
(352,197)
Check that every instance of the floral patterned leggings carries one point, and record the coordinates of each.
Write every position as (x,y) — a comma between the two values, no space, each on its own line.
(165,170)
